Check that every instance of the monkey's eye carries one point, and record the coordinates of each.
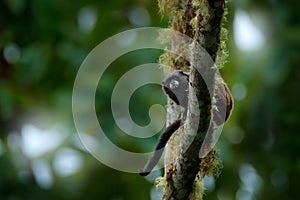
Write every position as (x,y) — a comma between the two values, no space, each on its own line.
(173,84)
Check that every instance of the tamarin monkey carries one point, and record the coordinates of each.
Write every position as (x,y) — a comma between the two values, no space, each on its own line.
(176,87)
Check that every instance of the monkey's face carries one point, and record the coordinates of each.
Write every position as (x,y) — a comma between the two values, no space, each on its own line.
(176,86)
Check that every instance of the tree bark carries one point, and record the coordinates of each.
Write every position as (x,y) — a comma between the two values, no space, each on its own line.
(200,20)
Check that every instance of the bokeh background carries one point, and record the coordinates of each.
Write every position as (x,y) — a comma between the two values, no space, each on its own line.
(42,45)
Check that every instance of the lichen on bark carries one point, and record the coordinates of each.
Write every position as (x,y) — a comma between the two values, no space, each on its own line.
(200,20)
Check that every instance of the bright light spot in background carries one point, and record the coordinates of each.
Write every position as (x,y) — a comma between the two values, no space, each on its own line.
(139,16)
(246,35)
(239,91)
(87,18)
(153,176)
(251,183)
(37,142)
(42,173)
(127,39)
(209,183)
(156,193)
(235,135)
(11,53)
(67,162)
(244,195)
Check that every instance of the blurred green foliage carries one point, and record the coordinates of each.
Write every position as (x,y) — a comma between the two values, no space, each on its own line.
(42,45)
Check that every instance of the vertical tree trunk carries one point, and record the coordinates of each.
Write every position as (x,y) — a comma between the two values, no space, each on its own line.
(201,21)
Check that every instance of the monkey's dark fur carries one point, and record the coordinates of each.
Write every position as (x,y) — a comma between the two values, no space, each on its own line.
(176,86)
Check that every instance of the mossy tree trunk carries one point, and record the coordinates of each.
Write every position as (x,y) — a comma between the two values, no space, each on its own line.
(200,20)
